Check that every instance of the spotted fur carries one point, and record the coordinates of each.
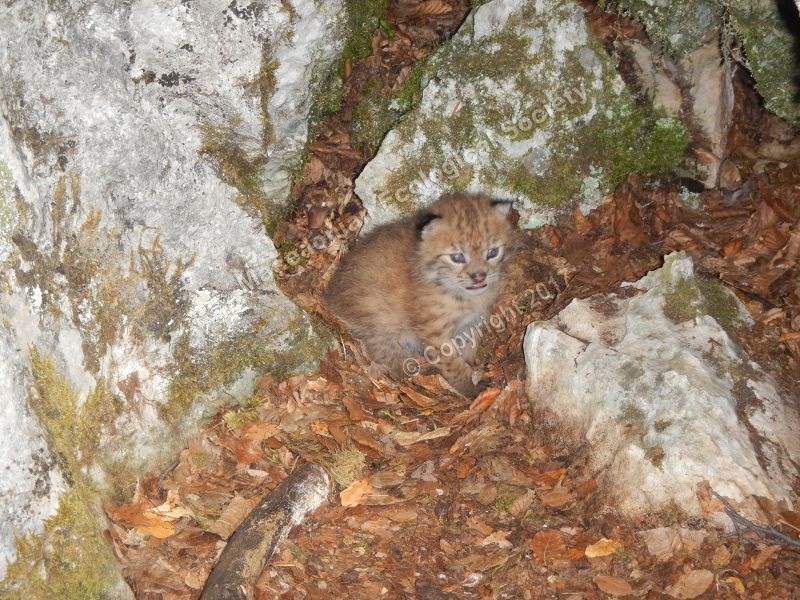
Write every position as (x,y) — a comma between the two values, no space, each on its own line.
(424,281)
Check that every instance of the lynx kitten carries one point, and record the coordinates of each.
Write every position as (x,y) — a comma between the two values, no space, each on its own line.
(415,286)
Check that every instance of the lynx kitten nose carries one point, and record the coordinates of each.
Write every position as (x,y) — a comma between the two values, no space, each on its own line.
(478,277)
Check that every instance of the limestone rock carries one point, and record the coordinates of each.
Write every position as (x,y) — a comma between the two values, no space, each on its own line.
(664,397)
(143,146)
(711,98)
(761,27)
(523,103)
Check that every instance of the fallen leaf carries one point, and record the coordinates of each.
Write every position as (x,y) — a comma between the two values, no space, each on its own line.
(406,438)
(549,545)
(485,399)
(763,556)
(614,586)
(558,497)
(157,528)
(356,492)
(663,542)
(602,547)
(737,585)
(498,538)
(233,515)
(721,557)
(259,431)
(691,584)
(522,503)
(790,518)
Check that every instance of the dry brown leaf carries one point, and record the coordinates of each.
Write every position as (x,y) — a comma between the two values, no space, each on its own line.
(195,579)
(731,248)
(432,8)
(233,515)
(602,547)
(485,399)
(549,478)
(691,584)
(760,559)
(407,438)
(521,504)
(360,436)
(613,586)
(156,528)
(418,398)
(737,585)
(356,492)
(558,497)
(791,519)
(721,557)
(170,509)
(549,545)
(663,542)
(498,538)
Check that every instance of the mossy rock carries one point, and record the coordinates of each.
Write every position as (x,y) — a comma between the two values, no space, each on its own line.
(763,29)
(525,106)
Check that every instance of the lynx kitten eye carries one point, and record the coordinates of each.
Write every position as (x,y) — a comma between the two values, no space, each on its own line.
(458,257)
(492,252)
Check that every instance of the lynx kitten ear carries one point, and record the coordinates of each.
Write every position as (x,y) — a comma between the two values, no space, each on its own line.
(424,222)
(502,206)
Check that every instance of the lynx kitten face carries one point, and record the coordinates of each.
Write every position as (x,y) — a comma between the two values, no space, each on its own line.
(462,246)
(413,286)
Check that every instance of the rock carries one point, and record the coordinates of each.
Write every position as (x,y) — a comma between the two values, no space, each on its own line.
(664,397)
(656,80)
(711,98)
(523,103)
(143,147)
(767,31)
(761,27)
(30,481)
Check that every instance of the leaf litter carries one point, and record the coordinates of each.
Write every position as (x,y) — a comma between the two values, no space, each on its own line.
(439,497)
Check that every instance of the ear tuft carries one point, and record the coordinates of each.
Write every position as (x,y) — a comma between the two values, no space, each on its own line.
(424,221)
(502,206)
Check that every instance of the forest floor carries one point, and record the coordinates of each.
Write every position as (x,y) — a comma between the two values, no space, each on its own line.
(440,497)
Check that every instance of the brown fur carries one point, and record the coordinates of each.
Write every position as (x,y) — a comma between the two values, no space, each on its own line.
(400,292)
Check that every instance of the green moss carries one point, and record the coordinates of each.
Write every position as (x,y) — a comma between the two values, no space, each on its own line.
(8,212)
(235,166)
(69,560)
(363,18)
(693,297)
(576,121)
(506,495)
(266,87)
(770,49)
(199,372)
(633,140)
(679,26)
(248,413)
(72,429)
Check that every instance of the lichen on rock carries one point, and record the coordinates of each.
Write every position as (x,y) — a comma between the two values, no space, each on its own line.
(8,212)
(763,29)
(664,397)
(524,104)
